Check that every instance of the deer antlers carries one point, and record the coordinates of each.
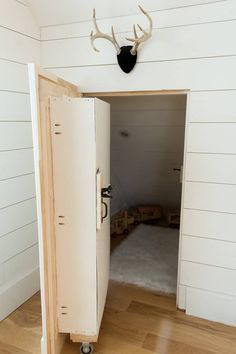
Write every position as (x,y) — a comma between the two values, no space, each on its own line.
(136,40)
(146,35)
(100,34)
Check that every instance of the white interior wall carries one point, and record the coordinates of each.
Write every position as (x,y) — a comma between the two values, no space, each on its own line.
(143,162)
(19,275)
(192,48)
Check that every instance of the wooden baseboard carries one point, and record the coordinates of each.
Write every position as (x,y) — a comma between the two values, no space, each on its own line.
(14,295)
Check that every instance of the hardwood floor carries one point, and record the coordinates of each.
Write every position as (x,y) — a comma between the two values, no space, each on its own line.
(135,321)
(20,333)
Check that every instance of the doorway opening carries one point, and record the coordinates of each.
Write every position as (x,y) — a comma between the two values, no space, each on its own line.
(147,151)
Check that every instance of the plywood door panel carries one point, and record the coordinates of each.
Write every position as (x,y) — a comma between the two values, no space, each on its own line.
(212,137)
(80,131)
(42,86)
(215,106)
(209,251)
(210,168)
(211,306)
(209,224)
(74,170)
(102,114)
(207,277)
(210,197)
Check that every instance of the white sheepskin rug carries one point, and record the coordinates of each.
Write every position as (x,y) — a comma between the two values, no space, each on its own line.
(148,258)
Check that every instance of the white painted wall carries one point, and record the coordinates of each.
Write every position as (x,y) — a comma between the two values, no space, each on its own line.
(143,162)
(192,48)
(19,276)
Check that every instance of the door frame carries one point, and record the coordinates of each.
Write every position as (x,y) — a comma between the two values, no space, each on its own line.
(180,298)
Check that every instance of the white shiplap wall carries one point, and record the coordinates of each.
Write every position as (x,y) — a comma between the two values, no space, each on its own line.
(143,163)
(192,48)
(19,276)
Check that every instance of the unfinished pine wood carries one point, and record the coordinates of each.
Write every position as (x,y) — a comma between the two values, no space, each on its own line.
(135,321)
(134,93)
(42,86)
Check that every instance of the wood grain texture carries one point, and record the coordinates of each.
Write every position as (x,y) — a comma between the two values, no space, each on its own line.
(43,86)
(20,333)
(135,321)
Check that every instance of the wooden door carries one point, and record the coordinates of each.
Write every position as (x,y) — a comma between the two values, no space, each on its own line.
(92,269)
(80,133)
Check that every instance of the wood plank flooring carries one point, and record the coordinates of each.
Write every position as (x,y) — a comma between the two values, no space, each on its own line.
(21,332)
(135,321)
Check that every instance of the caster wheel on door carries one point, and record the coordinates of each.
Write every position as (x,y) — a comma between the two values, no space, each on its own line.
(86,348)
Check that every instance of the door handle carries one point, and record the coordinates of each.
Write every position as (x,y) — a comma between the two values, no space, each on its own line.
(106,210)
(106,192)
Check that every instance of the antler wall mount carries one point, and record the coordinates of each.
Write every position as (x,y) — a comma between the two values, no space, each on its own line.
(126,55)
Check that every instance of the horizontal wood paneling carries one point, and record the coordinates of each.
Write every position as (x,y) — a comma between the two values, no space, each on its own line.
(208,277)
(215,106)
(149,118)
(220,11)
(154,146)
(212,138)
(160,139)
(195,56)
(17,135)
(17,241)
(15,163)
(14,76)
(209,40)
(51,13)
(211,306)
(209,224)
(16,190)
(19,48)
(18,18)
(16,216)
(206,251)
(198,74)
(214,197)
(156,169)
(14,295)
(210,168)
(20,265)
(14,106)
(147,103)
(19,35)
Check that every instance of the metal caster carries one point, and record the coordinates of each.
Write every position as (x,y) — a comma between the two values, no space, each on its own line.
(86,348)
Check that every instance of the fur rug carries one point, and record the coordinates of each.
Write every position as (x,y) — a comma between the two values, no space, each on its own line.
(148,258)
